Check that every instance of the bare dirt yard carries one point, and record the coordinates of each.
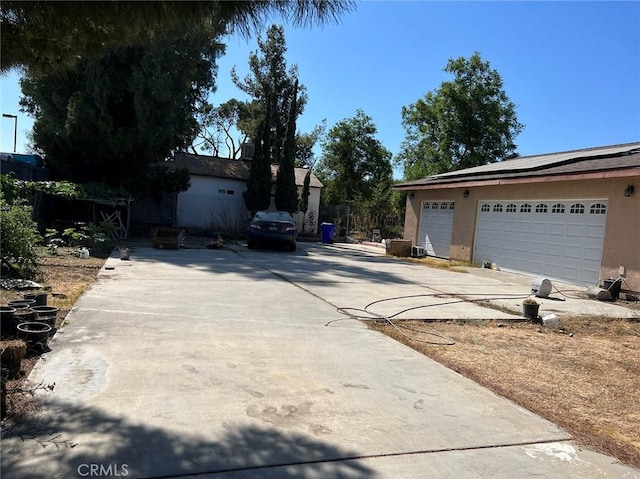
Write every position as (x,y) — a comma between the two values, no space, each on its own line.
(584,377)
(66,277)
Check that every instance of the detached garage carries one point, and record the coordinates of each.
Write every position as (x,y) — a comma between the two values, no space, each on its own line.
(214,199)
(572,216)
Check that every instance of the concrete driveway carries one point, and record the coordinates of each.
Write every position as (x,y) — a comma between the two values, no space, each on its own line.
(229,363)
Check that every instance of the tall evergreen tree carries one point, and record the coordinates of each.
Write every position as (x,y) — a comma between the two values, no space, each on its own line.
(257,196)
(286,190)
(304,196)
(269,83)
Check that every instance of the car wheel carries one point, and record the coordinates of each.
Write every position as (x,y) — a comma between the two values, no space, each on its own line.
(292,247)
(251,245)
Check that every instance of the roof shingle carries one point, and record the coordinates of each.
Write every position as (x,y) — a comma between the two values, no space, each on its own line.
(228,168)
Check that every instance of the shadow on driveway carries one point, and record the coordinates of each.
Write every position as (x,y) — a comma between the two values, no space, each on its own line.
(309,263)
(68,442)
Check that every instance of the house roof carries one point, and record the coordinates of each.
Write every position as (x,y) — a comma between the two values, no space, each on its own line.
(600,161)
(214,166)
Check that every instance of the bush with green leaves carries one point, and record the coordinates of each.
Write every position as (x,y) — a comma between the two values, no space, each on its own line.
(18,239)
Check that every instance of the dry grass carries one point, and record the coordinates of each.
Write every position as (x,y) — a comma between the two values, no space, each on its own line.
(456,266)
(585,378)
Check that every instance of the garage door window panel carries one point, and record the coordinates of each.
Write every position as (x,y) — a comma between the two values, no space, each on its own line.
(541,208)
(577,209)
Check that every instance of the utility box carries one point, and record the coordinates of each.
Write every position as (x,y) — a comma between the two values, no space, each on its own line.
(398,247)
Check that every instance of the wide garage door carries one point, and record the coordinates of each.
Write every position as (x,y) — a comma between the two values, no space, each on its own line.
(436,225)
(557,239)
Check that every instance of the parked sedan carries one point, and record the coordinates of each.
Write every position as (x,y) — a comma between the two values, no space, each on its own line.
(272,227)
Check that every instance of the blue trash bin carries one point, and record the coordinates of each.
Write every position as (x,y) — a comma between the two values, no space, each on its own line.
(328,232)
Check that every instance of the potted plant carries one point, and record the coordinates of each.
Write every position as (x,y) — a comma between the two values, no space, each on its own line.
(530,308)
(486,264)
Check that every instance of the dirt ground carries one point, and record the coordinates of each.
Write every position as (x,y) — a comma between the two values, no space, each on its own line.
(65,276)
(584,377)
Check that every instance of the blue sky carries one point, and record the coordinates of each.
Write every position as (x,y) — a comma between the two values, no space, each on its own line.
(571,68)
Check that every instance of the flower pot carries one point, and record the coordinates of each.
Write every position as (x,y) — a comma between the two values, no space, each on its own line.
(39,298)
(23,315)
(530,311)
(45,311)
(7,323)
(21,303)
(33,333)
(47,315)
(48,320)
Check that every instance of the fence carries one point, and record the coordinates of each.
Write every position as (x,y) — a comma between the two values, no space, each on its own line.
(360,224)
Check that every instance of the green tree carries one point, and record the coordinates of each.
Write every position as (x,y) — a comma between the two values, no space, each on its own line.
(305,144)
(257,196)
(270,85)
(219,125)
(354,165)
(44,36)
(467,122)
(108,119)
(286,190)
(304,194)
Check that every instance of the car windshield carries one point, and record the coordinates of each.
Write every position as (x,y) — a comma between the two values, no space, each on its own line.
(273,216)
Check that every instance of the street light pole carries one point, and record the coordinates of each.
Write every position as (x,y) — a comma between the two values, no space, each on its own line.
(15,128)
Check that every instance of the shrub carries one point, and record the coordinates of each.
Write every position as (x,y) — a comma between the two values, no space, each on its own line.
(18,239)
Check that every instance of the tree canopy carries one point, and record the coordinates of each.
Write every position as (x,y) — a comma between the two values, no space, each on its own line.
(108,118)
(270,84)
(355,167)
(45,36)
(467,122)
(219,125)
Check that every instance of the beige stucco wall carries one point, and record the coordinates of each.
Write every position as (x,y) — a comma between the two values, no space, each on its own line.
(622,234)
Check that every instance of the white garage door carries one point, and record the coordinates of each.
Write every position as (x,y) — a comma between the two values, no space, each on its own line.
(557,239)
(436,225)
